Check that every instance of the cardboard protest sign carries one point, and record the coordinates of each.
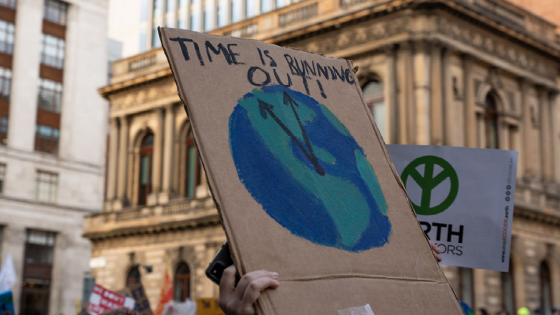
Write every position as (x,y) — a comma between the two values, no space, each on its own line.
(464,200)
(141,302)
(302,179)
(208,306)
(6,303)
(102,300)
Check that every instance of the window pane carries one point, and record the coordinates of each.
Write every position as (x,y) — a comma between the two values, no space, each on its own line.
(265,6)
(208,16)
(142,42)
(46,192)
(280,3)
(8,3)
(182,23)
(50,95)
(144,11)
(195,21)
(379,117)
(55,11)
(52,51)
(6,37)
(170,6)
(183,4)
(2,175)
(144,170)
(250,8)
(235,11)
(155,38)
(158,8)
(5,82)
(222,17)
(373,89)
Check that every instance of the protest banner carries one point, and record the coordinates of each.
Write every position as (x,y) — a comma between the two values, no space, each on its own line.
(7,274)
(208,306)
(6,303)
(463,198)
(141,302)
(303,180)
(102,300)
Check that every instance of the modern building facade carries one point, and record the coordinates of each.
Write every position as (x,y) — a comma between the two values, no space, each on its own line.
(138,31)
(53,129)
(474,73)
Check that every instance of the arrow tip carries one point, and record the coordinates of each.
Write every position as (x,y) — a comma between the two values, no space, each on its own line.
(288,99)
(263,106)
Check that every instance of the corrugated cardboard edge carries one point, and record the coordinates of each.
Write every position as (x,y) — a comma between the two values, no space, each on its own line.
(264,305)
(398,179)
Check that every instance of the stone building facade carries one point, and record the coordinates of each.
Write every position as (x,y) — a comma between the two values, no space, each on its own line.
(53,131)
(474,73)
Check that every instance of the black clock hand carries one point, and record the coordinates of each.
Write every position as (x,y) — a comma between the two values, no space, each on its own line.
(265,108)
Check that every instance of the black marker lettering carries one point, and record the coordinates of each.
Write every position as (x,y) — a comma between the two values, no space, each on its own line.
(272,61)
(221,48)
(335,73)
(349,77)
(321,88)
(184,48)
(260,55)
(322,70)
(280,82)
(251,73)
(233,54)
(307,68)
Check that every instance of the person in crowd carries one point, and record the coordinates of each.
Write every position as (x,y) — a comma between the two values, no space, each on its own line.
(482,311)
(240,299)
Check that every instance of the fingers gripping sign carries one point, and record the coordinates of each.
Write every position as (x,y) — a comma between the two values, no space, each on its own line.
(240,299)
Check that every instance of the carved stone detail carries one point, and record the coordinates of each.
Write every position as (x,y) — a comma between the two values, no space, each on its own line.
(141,95)
(496,47)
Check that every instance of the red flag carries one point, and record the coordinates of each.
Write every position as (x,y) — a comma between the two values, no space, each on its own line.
(166,295)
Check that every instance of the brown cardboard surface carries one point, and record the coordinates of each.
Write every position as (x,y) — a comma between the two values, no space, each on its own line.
(315,279)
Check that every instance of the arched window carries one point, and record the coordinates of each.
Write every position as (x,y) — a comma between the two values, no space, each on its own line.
(145,178)
(133,276)
(490,122)
(546,290)
(375,100)
(181,286)
(508,291)
(466,292)
(192,176)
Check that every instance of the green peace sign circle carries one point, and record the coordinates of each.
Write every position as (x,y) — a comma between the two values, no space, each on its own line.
(428,182)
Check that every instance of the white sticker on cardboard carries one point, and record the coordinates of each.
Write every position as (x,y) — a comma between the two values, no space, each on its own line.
(358,310)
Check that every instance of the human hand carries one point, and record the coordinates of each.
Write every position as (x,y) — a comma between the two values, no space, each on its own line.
(436,251)
(240,300)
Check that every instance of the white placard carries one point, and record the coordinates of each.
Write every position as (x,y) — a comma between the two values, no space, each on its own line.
(464,200)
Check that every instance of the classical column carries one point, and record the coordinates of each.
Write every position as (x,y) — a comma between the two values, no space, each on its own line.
(113,159)
(422,91)
(469,99)
(555,116)
(123,160)
(545,131)
(404,87)
(452,110)
(526,127)
(391,97)
(158,152)
(437,112)
(168,153)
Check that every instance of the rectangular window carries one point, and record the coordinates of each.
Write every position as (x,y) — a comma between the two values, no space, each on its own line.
(2,176)
(170,6)
(5,82)
(208,16)
(142,42)
(250,8)
(222,17)
(183,4)
(158,8)
(144,11)
(6,37)
(50,95)
(46,187)
(37,272)
(155,38)
(8,3)
(55,11)
(4,130)
(235,11)
(52,51)
(195,21)
(280,3)
(46,139)
(182,23)
(265,6)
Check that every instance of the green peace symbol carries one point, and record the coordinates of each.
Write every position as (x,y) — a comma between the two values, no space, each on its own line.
(428,182)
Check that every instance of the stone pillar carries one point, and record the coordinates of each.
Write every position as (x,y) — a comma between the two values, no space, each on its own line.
(437,112)
(451,125)
(526,131)
(168,153)
(391,97)
(545,135)
(25,71)
(158,152)
(555,117)
(113,159)
(422,92)
(479,288)
(404,91)
(123,163)
(469,102)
